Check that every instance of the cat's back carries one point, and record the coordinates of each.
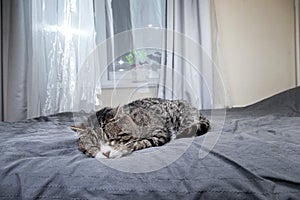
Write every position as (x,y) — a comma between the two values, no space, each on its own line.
(156,102)
(154,107)
(146,109)
(147,103)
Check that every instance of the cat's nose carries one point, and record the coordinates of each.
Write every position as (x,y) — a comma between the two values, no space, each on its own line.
(106,154)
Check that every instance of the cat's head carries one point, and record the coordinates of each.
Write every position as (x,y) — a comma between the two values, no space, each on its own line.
(115,130)
(119,131)
(101,148)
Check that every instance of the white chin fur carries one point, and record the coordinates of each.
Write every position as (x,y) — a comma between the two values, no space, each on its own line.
(100,156)
(112,153)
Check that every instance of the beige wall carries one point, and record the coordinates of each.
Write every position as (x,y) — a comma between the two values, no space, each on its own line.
(120,96)
(258,47)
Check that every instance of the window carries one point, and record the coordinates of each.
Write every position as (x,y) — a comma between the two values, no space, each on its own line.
(131,65)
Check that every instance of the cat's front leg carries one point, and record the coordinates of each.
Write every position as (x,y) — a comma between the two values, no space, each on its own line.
(158,137)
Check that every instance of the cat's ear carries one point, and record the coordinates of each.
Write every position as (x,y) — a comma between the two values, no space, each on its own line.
(118,111)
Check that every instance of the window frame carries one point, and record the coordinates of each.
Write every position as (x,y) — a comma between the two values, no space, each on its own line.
(121,83)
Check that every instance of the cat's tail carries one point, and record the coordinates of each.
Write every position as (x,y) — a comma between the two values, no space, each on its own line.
(204,125)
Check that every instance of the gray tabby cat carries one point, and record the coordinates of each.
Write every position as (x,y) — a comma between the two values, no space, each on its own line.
(115,132)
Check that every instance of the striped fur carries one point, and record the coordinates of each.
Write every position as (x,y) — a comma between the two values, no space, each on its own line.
(115,132)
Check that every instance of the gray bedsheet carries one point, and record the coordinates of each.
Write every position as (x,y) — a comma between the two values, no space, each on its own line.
(257,156)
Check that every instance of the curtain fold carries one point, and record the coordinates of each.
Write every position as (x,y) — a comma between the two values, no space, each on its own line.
(16,45)
(189,70)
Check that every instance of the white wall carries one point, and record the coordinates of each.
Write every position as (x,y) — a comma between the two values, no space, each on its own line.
(258,47)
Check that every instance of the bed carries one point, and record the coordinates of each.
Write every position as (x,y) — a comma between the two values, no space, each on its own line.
(257,156)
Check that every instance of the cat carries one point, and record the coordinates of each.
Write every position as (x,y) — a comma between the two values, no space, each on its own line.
(149,122)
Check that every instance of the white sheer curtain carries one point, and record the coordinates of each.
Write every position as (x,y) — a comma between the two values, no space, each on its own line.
(63,35)
(188,71)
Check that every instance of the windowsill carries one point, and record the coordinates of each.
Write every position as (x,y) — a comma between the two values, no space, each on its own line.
(128,84)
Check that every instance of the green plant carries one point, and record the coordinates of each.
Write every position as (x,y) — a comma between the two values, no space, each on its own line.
(136,56)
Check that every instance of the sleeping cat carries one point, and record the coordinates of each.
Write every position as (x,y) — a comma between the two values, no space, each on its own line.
(149,122)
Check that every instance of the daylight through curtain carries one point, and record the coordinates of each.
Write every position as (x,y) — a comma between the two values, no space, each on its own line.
(63,35)
(65,55)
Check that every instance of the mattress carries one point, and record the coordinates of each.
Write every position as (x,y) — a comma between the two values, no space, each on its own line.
(256,156)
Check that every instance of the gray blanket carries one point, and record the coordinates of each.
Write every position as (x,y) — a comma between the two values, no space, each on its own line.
(257,156)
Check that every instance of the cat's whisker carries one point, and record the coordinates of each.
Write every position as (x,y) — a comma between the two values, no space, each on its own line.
(74,128)
(129,143)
